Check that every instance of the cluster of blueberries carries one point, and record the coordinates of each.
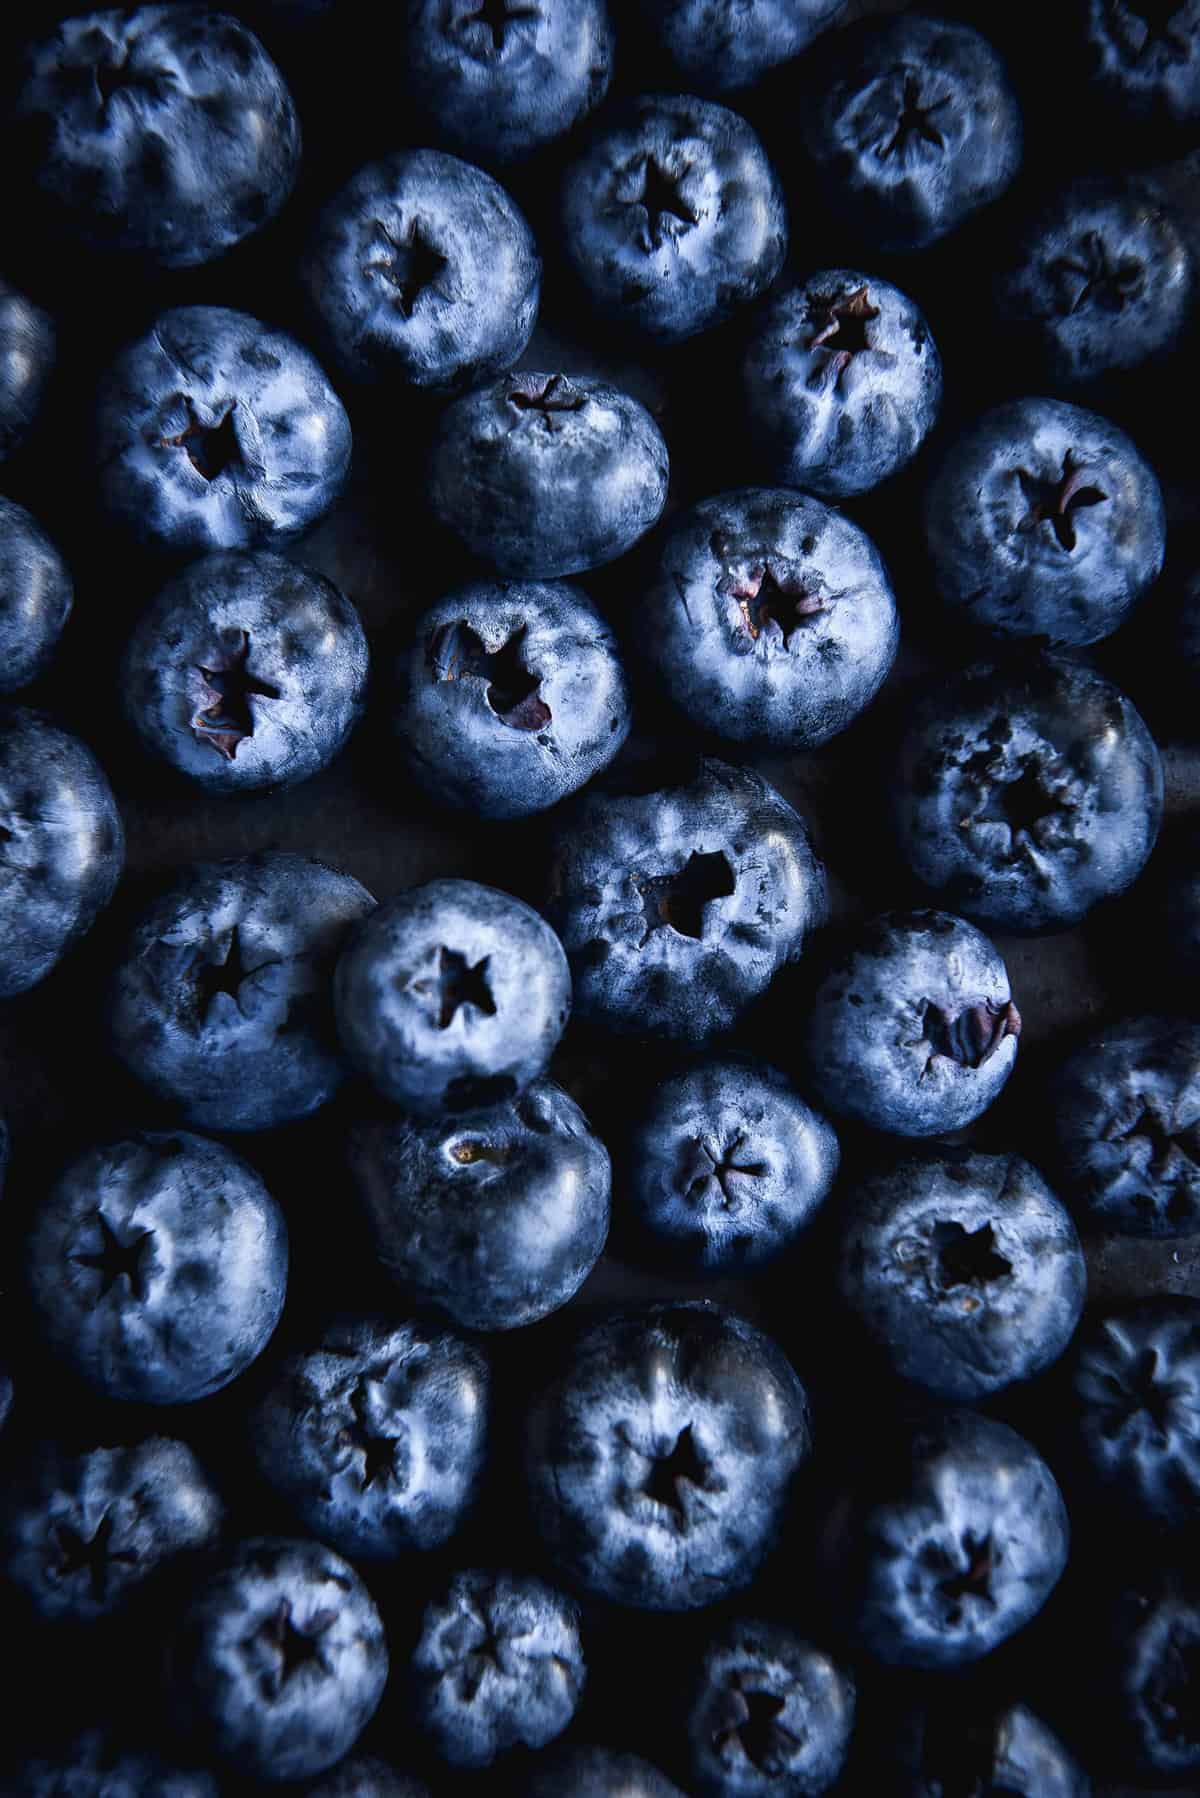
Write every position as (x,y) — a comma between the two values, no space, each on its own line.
(312,1473)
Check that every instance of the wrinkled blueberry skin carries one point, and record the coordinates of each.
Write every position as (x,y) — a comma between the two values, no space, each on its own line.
(596,1773)
(221,1001)
(712,235)
(965,1268)
(1145,59)
(377,1437)
(728,1165)
(246,672)
(842,383)
(35,597)
(364,1778)
(215,431)
(1023,796)
(510,696)
(166,131)
(28,343)
(93,1767)
(498,1665)
(499,91)
(80,1533)
(771,618)
(1153,1659)
(679,907)
(660,1459)
(1127,1128)
(452,996)
(62,846)
(1135,1382)
(497,1217)
(424,270)
(543,475)
(914,1029)
(720,45)
(1044,521)
(1010,1751)
(157,1267)
(913,130)
(280,1659)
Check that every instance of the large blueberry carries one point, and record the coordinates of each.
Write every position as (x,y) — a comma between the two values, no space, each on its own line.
(510,696)
(35,597)
(423,269)
(1024,795)
(215,431)
(596,1773)
(661,1456)
(157,1267)
(498,1665)
(679,907)
(672,216)
(62,846)
(279,1660)
(452,996)
(366,1778)
(1153,1664)
(162,130)
(913,1030)
(222,1000)
(771,618)
(982,1749)
(28,343)
(1135,1381)
(498,1216)
(1143,56)
(1044,521)
(94,1765)
(377,1437)
(247,671)
(544,474)
(718,45)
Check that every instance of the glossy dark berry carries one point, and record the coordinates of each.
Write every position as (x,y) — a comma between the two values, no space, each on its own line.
(1151,1690)
(733,43)
(1135,1383)
(36,594)
(28,344)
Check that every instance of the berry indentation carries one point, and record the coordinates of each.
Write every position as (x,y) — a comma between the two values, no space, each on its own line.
(706,1163)
(497,15)
(226,718)
(483,1656)
(774,606)
(754,1725)
(973,1579)
(661,197)
(1056,502)
(967,1257)
(93,1555)
(682,1464)
(1090,275)
(1139,1391)
(211,976)
(118,1258)
(842,334)
(378,1447)
(547,395)
(1151,1127)
(971,1035)
(512,689)
(1173,1691)
(211,449)
(456,983)
(290,1645)
(915,121)
(408,264)
(677,901)
(1156,17)
(116,74)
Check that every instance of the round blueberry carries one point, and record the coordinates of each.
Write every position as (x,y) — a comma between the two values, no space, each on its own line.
(93,1765)
(1144,57)
(423,268)
(366,1778)
(718,45)
(498,1665)
(1153,1660)
(62,846)
(162,130)
(1024,795)
(842,382)
(28,344)
(679,907)
(215,431)
(222,1000)
(376,1438)
(1135,1382)
(672,216)
(914,1029)
(247,671)
(35,597)
(771,618)
(978,1747)
(452,996)
(157,1267)
(542,475)
(596,1773)
(496,1217)
(661,1457)
(510,696)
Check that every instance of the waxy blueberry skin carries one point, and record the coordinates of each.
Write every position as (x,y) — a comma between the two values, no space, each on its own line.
(1150,1679)
(28,346)
(994,1747)
(718,46)
(1145,59)
(596,1773)
(36,594)
(1135,1387)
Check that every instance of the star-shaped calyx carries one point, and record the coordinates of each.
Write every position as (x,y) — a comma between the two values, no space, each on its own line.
(290,1645)
(496,16)
(841,333)
(1092,275)
(1145,23)
(378,1445)
(119,1258)
(1166,1145)
(681,1464)
(971,1580)
(752,1724)
(408,264)
(512,692)
(211,449)
(677,901)
(658,194)
(967,1257)
(915,122)
(706,1163)
(774,601)
(1056,502)
(92,1555)
(971,1035)
(455,982)
(548,398)
(225,718)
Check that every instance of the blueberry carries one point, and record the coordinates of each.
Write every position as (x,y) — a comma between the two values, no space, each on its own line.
(672,216)
(157,1267)
(247,671)
(364,1778)
(541,475)
(499,81)
(596,1773)
(62,846)
(727,1165)
(1126,1108)
(965,1268)
(422,268)
(1044,521)
(912,129)
(452,996)
(678,907)
(221,1001)
(35,597)
(280,1659)
(215,431)
(1154,1662)
(1002,1750)
(718,45)
(1023,795)
(498,1665)
(80,1533)
(842,383)
(1143,56)
(377,1437)
(93,1765)
(28,343)
(661,1456)
(771,618)
(510,696)
(496,1216)
(1135,1380)
(166,131)
(914,1029)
